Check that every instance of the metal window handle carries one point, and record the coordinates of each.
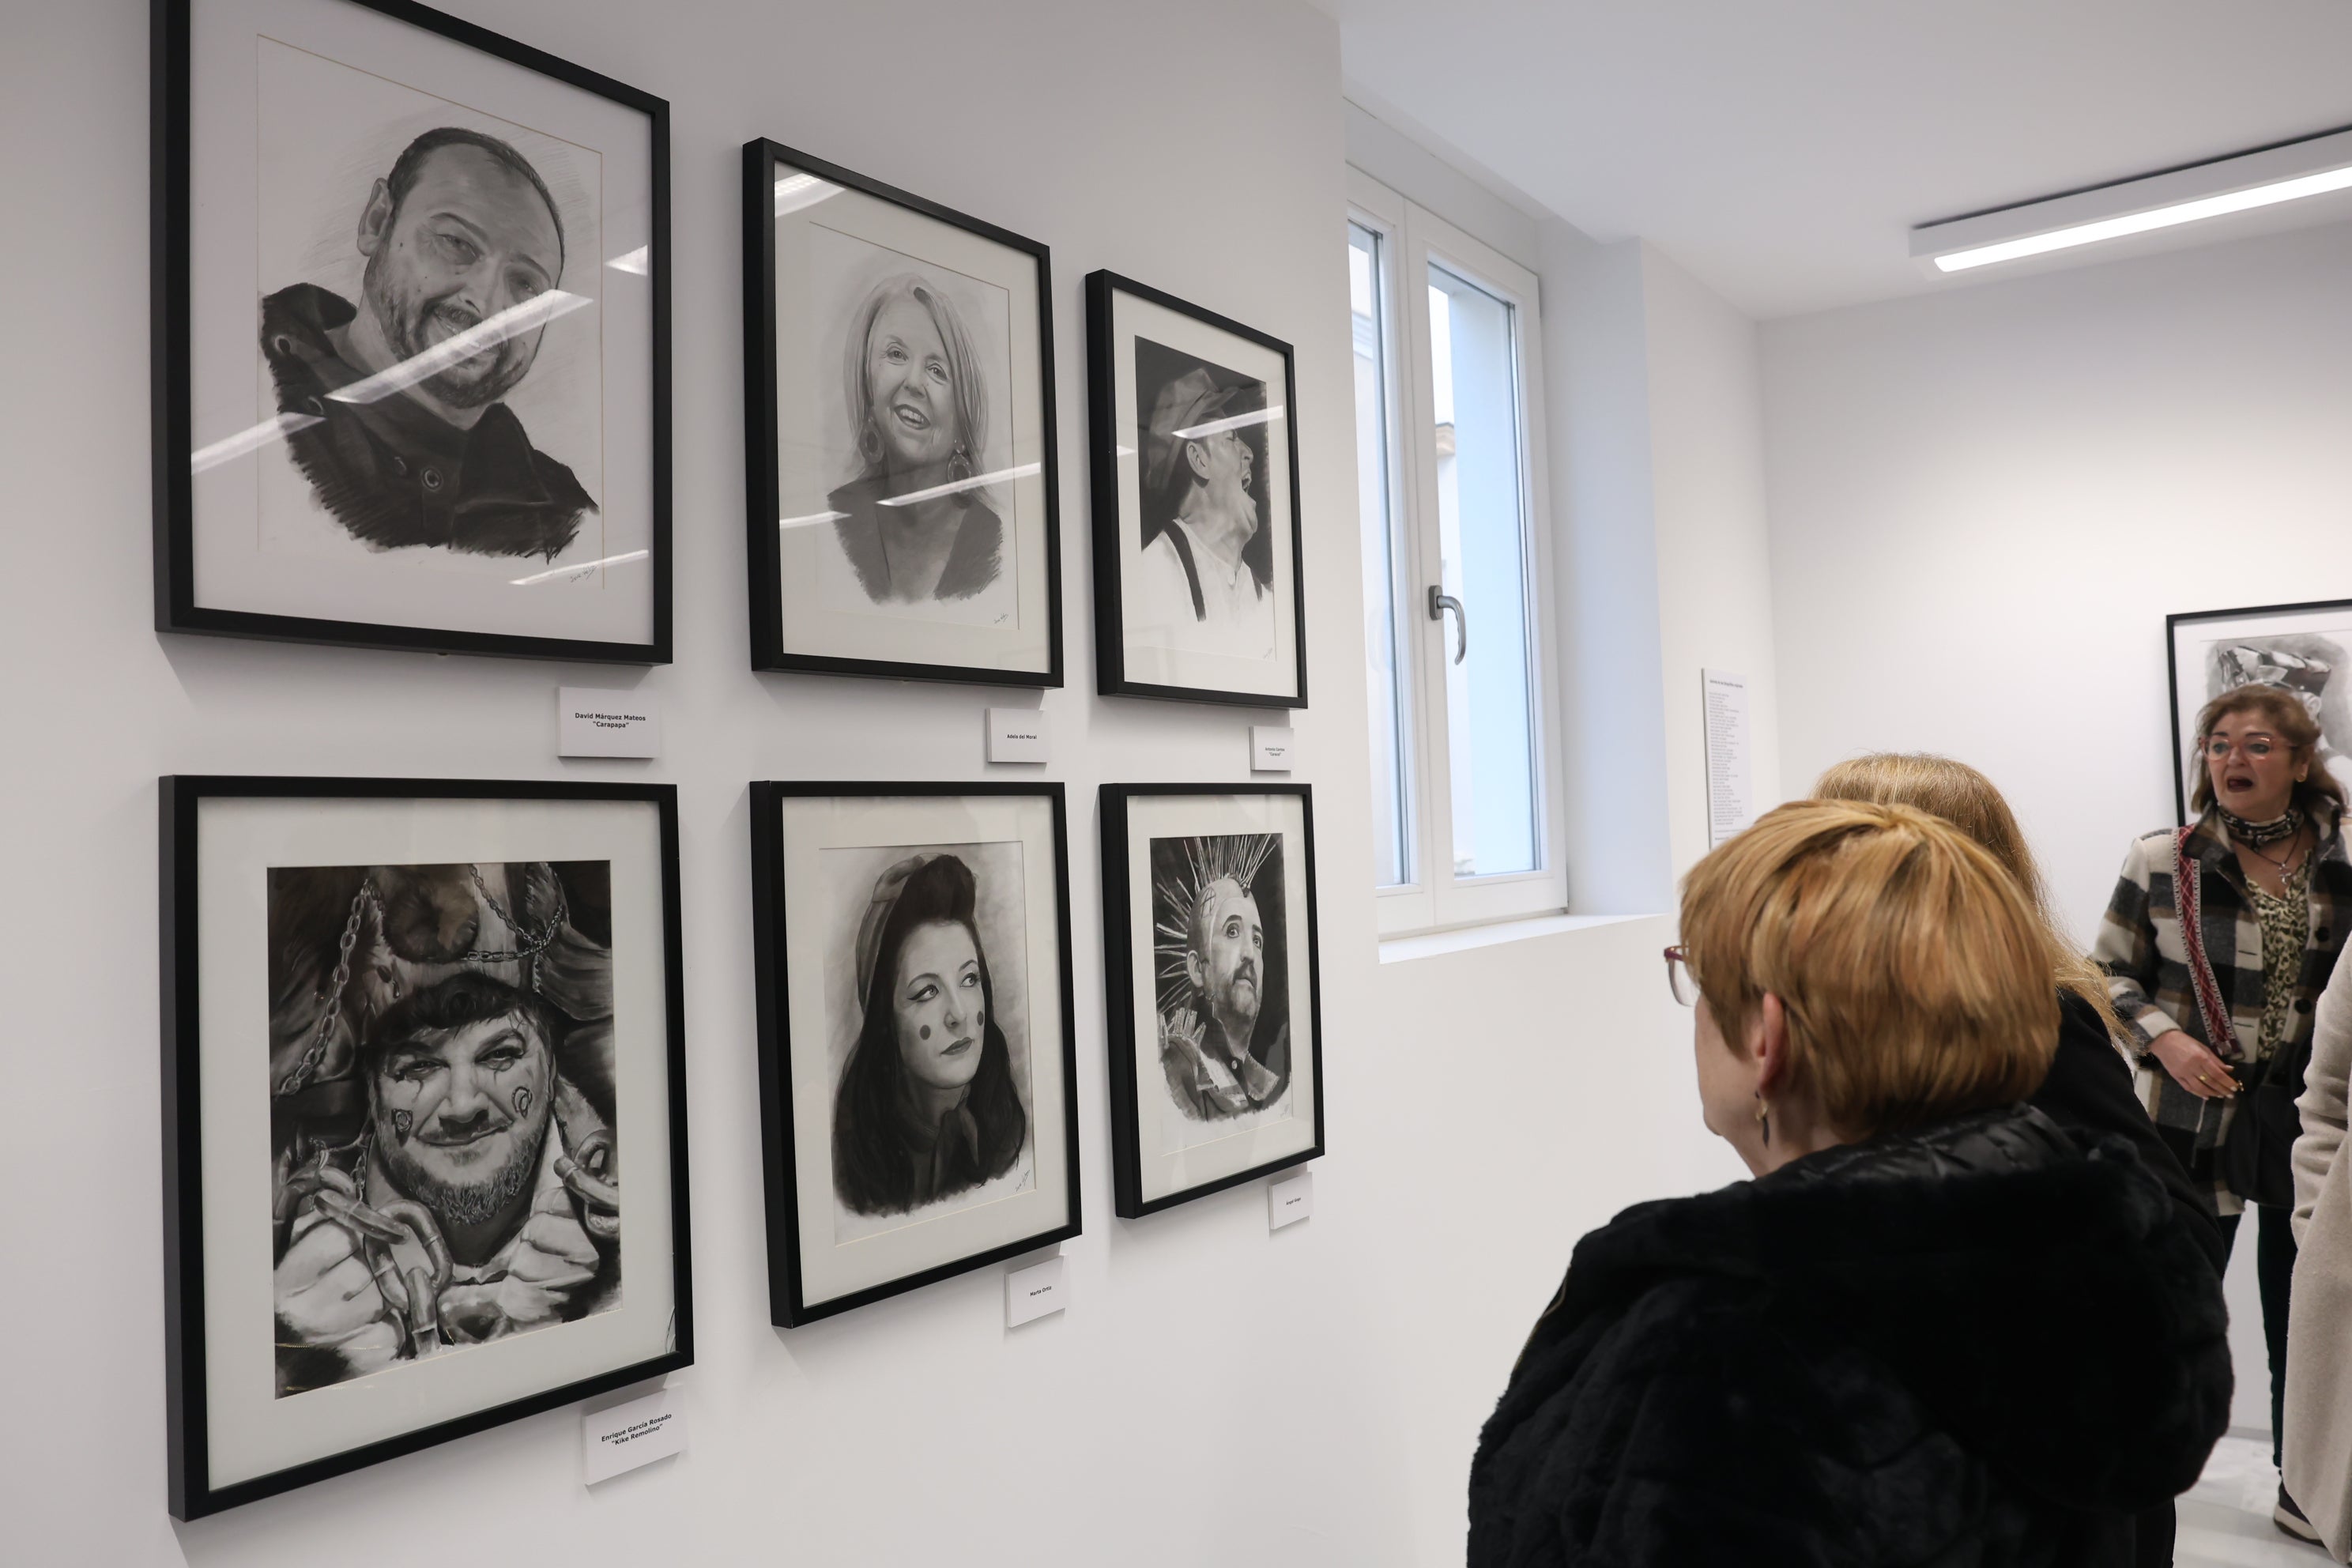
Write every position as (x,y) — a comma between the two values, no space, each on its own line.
(1439,603)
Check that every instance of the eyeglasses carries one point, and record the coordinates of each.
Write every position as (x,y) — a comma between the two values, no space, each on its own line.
(1679,978)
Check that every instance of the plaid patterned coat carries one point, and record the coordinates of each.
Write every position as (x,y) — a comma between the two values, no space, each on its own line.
(2148,972)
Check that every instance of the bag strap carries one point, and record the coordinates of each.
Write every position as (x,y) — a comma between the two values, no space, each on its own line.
(2219,1033)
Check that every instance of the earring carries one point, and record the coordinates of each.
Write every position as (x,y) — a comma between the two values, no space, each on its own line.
(959,464)
(1764,1119)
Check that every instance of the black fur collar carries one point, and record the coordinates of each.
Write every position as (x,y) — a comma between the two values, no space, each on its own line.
(2040,1296)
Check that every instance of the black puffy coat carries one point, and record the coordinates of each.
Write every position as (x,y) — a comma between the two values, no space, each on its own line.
(1980,1344)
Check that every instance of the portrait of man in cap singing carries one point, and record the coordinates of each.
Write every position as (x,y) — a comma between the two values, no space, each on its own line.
(1203,583)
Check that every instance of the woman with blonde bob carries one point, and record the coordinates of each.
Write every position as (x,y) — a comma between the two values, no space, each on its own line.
(2089,1088)
(1934,1327)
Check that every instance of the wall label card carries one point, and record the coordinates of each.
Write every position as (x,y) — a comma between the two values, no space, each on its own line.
(590,724)
(1272,748)
(1289,1201)
(1730,792)
(1019,735)
(1034,1292)
(621,1437)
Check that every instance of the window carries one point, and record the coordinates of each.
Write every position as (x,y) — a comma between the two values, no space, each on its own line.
(1456,594)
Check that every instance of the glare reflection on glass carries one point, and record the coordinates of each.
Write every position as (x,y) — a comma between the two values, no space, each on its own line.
(1231,422)
(954,486)
(230,447)
(795,192)
(579,568)
(486,334)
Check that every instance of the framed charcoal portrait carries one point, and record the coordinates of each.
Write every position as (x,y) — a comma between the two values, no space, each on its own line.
(916,1045)
(1208,946)
(1198,566)
(410,1030)
(411,349)
(899,394)
(2303,648)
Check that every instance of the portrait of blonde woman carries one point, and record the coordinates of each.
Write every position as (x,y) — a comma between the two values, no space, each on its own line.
(914,518)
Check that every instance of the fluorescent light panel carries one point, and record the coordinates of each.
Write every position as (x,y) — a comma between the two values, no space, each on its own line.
(2315,166)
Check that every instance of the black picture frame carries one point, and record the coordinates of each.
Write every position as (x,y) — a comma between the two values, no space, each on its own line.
(1102,450)
(170,311)
(1121,980)
(763,547)
(789,1306)
(2339,739)
(191,1493)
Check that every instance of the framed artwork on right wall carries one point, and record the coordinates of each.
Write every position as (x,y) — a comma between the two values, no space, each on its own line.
(2305,648)
(917,1056)
(1198,566)
(899,392)
(1209,947)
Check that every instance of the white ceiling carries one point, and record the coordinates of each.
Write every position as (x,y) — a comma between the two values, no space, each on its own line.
(1781,150)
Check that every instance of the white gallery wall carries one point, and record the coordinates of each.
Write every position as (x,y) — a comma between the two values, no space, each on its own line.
(1714,570)
(1214,1394)
(1985,502)
(1660,501)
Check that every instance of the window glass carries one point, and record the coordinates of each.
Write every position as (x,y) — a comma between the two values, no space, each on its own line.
(1481,540)
(1392,858)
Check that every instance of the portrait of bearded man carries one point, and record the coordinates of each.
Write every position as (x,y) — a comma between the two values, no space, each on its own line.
(395,401)
(1224,1038)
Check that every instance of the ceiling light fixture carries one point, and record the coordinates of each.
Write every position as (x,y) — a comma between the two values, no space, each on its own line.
(2289,170)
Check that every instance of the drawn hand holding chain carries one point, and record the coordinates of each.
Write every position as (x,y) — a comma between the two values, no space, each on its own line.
(339,1285)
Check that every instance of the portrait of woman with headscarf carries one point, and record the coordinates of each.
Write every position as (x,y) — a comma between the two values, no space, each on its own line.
(927,1107)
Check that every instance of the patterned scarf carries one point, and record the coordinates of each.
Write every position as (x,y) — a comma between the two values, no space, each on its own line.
(2254,835)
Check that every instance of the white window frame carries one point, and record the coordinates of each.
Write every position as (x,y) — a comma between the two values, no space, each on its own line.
(1436,898)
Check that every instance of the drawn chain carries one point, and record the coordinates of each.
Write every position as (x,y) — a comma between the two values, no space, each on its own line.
(415,1297)
(366,903)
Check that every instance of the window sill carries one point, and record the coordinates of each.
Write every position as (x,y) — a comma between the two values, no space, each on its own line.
(1435,944)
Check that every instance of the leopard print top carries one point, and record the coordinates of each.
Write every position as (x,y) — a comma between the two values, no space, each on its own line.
(2285,921)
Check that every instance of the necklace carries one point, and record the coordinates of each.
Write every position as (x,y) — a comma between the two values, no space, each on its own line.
(2281,866)
(2253,835)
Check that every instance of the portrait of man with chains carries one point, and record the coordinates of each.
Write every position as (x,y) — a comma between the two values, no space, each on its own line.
(446,1171)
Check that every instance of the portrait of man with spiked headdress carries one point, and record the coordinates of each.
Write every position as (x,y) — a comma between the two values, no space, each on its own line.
(1223,987)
